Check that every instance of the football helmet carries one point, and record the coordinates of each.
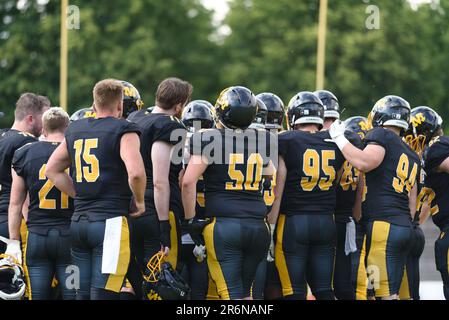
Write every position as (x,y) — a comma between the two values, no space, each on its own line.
(206,103)
(12,282)
(260,120)
(236,108)
(83,114)
(391,111)
(276,110)
(305,108)
(197,111)
(131,99)
(358,125)
(425,124)
(330,102)
(162,282)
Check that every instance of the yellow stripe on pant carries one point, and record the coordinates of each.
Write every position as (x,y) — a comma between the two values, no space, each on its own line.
(213,263)
(377,259)
(279,258)
(172,257)
(362,280)
(24,239)
(404,291)
(115,281)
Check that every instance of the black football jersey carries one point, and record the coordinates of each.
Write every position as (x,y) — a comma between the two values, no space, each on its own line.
(347,188)
(388,186)
(313,162)
(136,115)
(10,141)
(97,170)
(160,127)
(438,182)
(49,208)
(233,178)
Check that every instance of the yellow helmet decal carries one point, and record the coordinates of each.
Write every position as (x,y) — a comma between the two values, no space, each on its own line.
(418,119)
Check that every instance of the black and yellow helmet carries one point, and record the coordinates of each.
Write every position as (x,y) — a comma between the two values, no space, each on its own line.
(131,99)
(391,111)
(331,104)
(236,108)
(198,111)
(357,125)
(276,110)
(425,124)
(260,120)
(305,108)
(83,114)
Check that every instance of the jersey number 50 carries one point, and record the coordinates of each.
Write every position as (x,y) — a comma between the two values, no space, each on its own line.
(254,168)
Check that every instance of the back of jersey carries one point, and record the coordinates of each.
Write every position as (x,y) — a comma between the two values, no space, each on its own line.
(233,179)
(10,141)
(49,207)
(388,186)
(98,172)
(313,162)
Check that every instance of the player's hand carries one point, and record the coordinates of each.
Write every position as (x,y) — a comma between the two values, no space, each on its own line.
(270,256)
(200,253)
(196,227)
(337,129)
(13,249)
(137,209)
(165,229)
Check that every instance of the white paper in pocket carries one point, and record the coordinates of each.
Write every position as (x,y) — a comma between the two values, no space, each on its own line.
(111,245)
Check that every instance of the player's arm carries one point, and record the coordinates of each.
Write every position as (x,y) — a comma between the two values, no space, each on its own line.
(197,166)
(425,212)
(412,200)
(56,170)
(444,166)
(137,178)
(364,160)
(278,191)
(357,210)
(16,203)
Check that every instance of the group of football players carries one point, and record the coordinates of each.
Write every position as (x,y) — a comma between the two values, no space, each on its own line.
(240,200)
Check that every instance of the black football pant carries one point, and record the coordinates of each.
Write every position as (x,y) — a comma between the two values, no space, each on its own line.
(441,259)
(89,253)
(410,282)
(235,248)
(258,290)
(304,254)
(387,248)
(4,232)
(46,257)
(195,273)
(343,287)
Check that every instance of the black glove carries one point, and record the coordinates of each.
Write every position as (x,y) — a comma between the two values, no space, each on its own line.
(165,229)
(196,227)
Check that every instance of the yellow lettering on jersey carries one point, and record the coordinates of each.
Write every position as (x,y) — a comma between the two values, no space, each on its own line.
(50,204)
(312,169)
(91,172)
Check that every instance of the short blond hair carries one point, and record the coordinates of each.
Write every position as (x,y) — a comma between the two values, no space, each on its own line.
(55,120)
(107,93)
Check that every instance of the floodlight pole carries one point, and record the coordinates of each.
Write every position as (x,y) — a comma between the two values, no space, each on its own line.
(64,56)
(321,55)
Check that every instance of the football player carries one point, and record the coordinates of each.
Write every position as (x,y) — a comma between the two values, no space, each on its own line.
(391,171)
(132,103)
(233,161)
(331,107)
(162,146)
(196,116)
(309,165)
(429,137)
(358,125)
(47,252)
(106,172)
(26,128)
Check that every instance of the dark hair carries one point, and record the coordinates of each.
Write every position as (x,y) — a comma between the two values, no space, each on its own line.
(173,91)
(30,104)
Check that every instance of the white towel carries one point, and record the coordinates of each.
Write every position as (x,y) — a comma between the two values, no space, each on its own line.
(350,245)
(111,245)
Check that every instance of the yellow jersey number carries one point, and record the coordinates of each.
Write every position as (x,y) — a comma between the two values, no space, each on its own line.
(403,179)
(250,181)
(91,172)
(350,177)
(49,204)
(268,195)
(313,165)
